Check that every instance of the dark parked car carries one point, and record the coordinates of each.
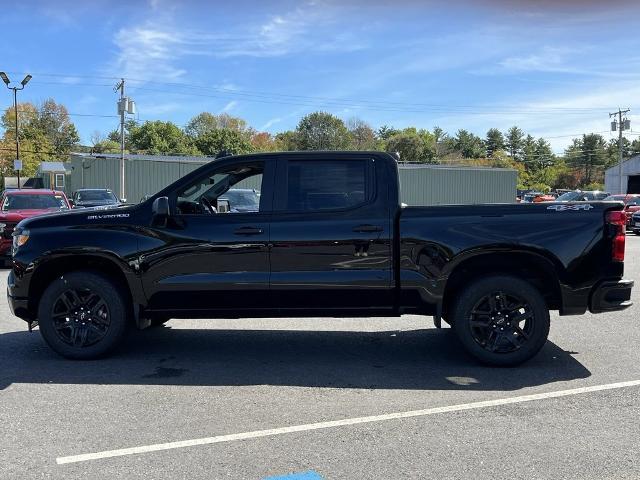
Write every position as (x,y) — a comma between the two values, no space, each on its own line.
(635,223)
(330,238)
(94,197)
(242,199)
(582,196)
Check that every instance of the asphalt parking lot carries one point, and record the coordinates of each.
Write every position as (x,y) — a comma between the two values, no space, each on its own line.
(218,380)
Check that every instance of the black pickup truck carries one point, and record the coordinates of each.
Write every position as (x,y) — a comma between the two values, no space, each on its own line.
(330,238)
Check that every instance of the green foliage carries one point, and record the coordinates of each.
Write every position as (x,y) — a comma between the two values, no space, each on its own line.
(494,141)
(205,122)
(588,155)
(362,136)
(322,131)
(286,141)
(514,142)
(468,144)
(106,146)
(46,133)
(223,139)
(158,137)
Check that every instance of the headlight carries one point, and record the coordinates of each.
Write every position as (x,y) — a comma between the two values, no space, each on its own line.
(20,238)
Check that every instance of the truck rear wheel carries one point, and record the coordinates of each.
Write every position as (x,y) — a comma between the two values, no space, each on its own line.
(82,315)
(501,320)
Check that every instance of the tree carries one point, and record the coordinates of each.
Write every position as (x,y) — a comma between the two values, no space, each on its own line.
(205,122)
(362,135)
(409,145)
(322,131)
(529,151)
(468,144)
(513,142)
(494,141)
(263,142)
(158,137)
(46,132)
(286,141)
(588,156)
(223,140)
(385,132)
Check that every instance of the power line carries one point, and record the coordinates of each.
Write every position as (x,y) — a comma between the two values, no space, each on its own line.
(318,101)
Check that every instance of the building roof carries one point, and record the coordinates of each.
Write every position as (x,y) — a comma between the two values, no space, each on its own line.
(204,159)
(152,158)
(635,160)
(52,167)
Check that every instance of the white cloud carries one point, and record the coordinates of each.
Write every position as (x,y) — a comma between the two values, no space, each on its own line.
(270,123)
(229,106)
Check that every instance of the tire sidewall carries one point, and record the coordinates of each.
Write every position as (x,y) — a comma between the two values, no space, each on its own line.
(111,295)
(509,285)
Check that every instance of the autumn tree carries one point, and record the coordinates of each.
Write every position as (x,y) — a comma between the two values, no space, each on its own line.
(362,136)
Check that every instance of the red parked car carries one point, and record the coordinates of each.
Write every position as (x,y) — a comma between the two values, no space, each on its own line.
(631,204)
(16,205)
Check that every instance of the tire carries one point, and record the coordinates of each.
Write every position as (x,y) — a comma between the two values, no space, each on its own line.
(501,320)
(83,315)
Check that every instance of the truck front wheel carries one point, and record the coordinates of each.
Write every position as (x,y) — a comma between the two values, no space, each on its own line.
(82,315)
(501,320)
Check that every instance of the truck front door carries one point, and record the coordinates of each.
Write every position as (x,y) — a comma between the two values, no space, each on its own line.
(205,260)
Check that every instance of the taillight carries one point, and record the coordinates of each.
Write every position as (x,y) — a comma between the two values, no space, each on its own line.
(618,220)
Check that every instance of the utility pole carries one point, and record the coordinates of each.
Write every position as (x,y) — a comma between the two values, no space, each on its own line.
(621,126)
(121,110)
(125,105)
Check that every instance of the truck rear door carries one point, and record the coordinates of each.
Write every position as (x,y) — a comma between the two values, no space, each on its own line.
(331,234)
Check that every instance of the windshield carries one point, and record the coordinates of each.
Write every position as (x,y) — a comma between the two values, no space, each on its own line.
(33,202)
(570,196)
(96,195)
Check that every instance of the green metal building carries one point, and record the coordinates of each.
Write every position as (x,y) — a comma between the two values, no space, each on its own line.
(420,184)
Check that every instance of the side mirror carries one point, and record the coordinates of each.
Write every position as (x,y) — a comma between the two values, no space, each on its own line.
(123,200)
(160,209)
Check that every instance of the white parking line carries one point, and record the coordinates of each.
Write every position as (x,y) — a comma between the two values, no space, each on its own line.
(340,423)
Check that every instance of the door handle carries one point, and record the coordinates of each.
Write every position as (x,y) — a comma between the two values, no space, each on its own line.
(248,231)
(367,229)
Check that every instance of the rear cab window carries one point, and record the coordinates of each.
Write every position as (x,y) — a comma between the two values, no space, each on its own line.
(324,185)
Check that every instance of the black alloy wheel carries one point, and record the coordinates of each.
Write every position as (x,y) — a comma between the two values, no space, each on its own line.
(80,317)
(84,314)
(501,319)
(502,323)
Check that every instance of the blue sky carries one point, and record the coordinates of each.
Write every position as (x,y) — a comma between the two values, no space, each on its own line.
(555,68)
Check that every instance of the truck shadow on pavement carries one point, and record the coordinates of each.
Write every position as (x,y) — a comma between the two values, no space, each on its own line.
(416,359)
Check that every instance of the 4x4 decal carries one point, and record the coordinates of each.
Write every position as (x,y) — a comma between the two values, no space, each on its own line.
(574,208)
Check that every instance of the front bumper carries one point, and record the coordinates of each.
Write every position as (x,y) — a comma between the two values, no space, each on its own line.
(611,296)
(19,306)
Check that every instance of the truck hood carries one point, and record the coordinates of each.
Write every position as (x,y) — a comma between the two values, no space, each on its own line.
(80,216)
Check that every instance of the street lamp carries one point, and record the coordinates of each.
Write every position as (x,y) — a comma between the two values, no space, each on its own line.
(24,81)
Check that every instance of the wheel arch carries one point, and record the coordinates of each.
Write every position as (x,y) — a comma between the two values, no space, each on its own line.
(45,272)
(537,269)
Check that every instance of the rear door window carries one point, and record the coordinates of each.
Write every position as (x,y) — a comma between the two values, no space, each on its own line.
(326,185)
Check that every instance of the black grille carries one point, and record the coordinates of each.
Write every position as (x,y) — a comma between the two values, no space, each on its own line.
(8,230)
